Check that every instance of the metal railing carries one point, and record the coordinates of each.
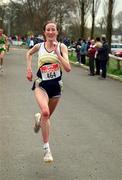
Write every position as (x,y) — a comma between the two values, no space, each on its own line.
(116,58)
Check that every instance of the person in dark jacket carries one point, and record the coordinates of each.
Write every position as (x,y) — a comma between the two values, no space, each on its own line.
(77,50)
(104,57)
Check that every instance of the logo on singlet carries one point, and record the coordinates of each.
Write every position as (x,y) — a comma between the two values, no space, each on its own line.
(50,71)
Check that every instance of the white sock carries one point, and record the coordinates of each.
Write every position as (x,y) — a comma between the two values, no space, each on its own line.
(46,146)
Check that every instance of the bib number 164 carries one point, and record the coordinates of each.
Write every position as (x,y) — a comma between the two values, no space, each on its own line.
(51,75)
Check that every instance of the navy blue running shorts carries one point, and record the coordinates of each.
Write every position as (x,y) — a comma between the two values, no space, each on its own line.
(53,88)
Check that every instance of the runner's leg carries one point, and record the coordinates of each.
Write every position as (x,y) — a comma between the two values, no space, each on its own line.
(2,54)
(52,104)
(42,100)
(46,107)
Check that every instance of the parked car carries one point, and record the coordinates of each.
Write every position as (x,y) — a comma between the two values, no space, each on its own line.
(118,53)
(115,47)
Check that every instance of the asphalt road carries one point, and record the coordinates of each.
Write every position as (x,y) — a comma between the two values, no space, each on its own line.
(86,131)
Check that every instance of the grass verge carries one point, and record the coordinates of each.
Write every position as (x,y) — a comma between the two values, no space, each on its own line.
(112,67)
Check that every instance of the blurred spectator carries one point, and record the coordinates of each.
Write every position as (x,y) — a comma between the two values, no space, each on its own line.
(88,43)
(104,56)
(77,50)
(91,55)
(9,42)
(31,43)
(66,41)
(83,51)
(38,39)
(97,45)
(3,46)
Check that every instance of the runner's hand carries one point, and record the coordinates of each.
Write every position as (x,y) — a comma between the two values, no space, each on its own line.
(56,48)
(29,74)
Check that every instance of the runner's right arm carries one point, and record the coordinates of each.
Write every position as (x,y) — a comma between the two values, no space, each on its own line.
(29,61)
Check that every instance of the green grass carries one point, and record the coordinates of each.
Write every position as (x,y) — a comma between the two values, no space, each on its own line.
(111,69)
(72,57)
(115,72)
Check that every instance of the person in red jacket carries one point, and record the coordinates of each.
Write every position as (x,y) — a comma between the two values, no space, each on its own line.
(91,54)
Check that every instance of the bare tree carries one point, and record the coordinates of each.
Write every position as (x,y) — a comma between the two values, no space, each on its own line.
(95,8)
(109,27)
(37,12)
(74,30)
(84,10)
(2,14)
(62,13)
(34,13)
(102,24)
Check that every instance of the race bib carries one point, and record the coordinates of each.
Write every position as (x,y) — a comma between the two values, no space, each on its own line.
(51,71)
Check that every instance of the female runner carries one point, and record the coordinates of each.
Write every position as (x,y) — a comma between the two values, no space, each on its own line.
(52,57)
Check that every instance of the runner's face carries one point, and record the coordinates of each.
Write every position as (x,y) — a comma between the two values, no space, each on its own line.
(51,32)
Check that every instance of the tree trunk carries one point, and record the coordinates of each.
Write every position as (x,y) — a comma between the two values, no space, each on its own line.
(93,20)
(109,22)
(82,19)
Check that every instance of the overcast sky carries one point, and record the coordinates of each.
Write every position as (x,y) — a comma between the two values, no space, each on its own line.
(118,7)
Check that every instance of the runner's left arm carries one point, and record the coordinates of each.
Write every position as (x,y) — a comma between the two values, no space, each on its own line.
(63,57)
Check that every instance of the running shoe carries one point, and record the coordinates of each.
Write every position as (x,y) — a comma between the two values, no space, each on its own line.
(37,122)
(47,156)
(2,70)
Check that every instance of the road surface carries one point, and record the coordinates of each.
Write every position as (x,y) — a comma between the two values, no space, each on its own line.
(86,129)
